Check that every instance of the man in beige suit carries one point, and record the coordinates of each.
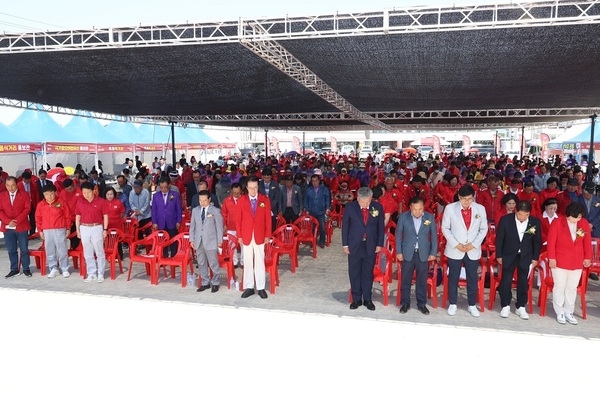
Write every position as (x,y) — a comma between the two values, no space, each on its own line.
(464,226)
(206,235)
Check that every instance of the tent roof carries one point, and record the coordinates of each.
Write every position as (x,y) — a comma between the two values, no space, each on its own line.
(452,69)
(37,126)
(584,135)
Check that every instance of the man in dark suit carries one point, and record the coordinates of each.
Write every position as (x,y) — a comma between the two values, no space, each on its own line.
(191,189)
(363,232)
(166,212)
(271,189)
(518,244)
(42,182)
(416,245)
(203,185)
(291,200)
(98,182)
(591,202)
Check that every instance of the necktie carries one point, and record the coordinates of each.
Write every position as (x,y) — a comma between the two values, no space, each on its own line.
(203,214)
(365,214)
(165,198)
(253,201)
(466,214)
(12,198)
(43,182)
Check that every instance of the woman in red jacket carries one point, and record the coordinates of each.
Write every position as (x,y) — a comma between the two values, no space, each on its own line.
(509,203)
(548,217)
(116,212)
(569,251)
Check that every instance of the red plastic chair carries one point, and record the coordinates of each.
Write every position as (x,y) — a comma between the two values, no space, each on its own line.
(463,282)
(548,285)
(184,226)
(279,221)
(328,231)
(286,242)
(111,251)
(229,246)
(309,229)
(336,213)
(129,228)
(595,267)
(151,244)
(271,264)
(38,254)
(182,259)
(496,278)
(77,255)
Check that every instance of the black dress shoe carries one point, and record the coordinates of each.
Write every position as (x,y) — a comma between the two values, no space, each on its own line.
(203,288)
(262,294)
(404,308)
(321,245)
(27,274)
(355,304)
(247,293)
(593,277)
(215,289)
(11,274)
(424,310)
(370,306)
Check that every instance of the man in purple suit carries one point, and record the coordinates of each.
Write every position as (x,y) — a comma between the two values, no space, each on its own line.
(166,212)
(362,238)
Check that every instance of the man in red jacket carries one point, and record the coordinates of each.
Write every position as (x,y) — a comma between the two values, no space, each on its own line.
(53,220)
(229,213)
(253,225)
(15,206)
(491,198)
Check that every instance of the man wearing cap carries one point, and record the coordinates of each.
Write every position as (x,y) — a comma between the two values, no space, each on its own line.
(139,201)
(53,219)
(176,184)
(568,196)
(317,202)
(271,189)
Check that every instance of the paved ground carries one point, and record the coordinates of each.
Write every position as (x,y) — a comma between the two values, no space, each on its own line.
(130,339)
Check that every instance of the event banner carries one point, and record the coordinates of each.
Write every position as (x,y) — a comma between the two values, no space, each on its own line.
(436,145)
(149,147)
(115,148)
(70,148)
(297,146)
(544,139)
(334,146)
(20,147)
(466,143)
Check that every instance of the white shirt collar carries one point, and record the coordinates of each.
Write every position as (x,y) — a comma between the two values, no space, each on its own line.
(545,215)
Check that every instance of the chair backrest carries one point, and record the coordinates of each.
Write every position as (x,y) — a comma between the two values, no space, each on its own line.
(280,221)
(113,237)
(270,251)
(384,256)
(308,225)
(595,255)
(286,235)
(183,244)
(130,226)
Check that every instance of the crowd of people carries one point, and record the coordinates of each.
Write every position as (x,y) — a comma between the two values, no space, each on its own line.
(438,207)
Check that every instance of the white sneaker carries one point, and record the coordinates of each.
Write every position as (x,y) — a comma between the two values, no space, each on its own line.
(66,274)
(571,319)
(505,312)
(560,318)
(522,313)
(473,311)
(452,309)
(100,278)
(89,278)
(53,273)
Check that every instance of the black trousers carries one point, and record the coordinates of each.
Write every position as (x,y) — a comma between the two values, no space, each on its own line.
(143,234)
(505,287)
(360,271)
(74,240)
(172,248)
(408,269)
(289,215)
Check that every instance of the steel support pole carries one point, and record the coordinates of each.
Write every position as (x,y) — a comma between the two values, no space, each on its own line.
(173,158)
(522,140)
(266,144)
(591,153)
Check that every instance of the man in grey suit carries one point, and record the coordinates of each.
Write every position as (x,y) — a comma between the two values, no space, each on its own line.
(464,226)
(416,245)
(270,188)
(291,200)
(206,235)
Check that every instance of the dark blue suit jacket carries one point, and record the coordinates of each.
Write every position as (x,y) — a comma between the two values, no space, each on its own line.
(593,216)
(166,216)
(353,228)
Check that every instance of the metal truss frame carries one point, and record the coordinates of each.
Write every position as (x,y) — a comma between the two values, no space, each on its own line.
(395,21)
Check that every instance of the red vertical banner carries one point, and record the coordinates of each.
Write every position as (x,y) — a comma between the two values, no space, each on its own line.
(274,144)
(497,144)
(523,145)
(544,139)
(466,143)
(334,146)
(297,146)
(436,145)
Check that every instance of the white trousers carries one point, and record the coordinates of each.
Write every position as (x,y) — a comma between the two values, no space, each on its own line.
(93,243)
(55,243)
(254,265)
(237,257)
(564,292)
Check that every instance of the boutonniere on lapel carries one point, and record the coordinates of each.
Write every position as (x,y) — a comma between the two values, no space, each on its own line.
(597,205)
(533,199)
(171,197)
(272,188)
(209,215)
(477,216)
(393,194)
(580,233)
(374,212)
(427,222)
(531,230)
(295,192)
(57,205)
(262,205)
